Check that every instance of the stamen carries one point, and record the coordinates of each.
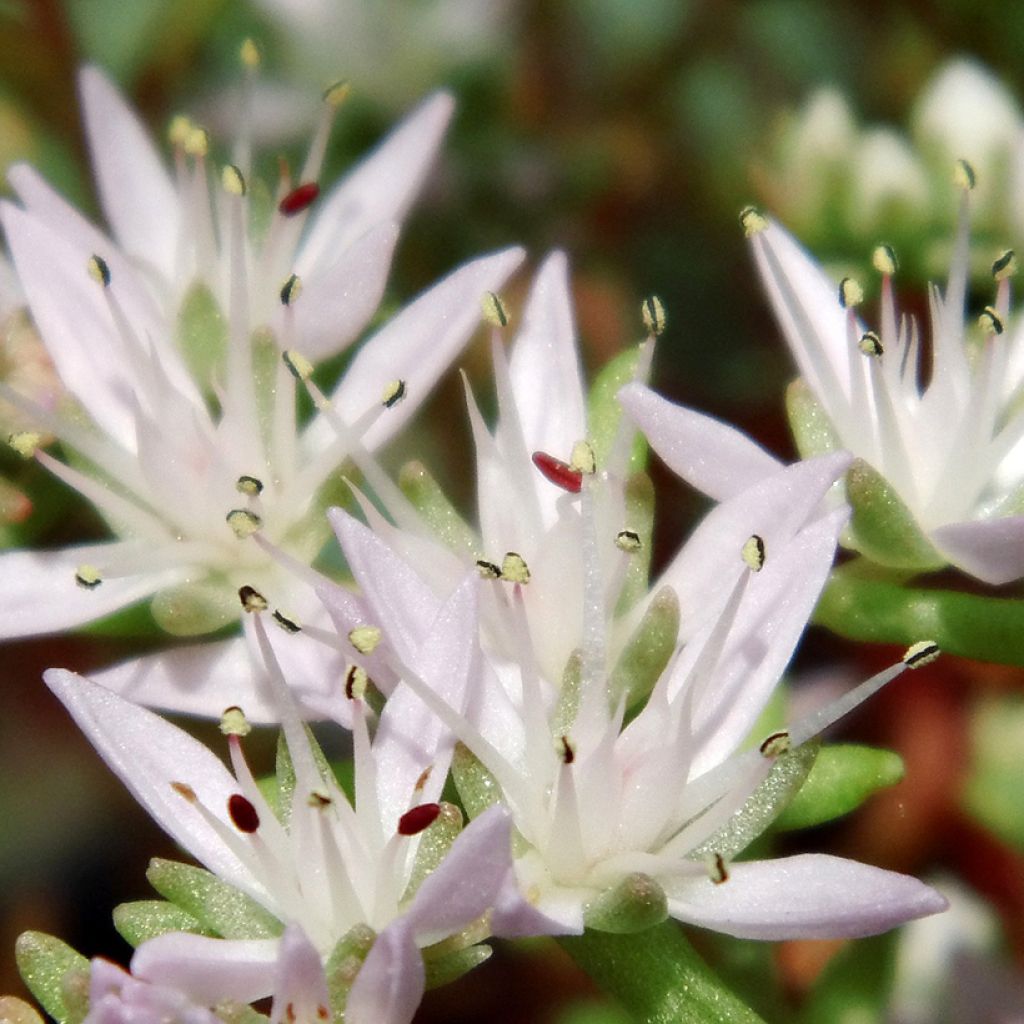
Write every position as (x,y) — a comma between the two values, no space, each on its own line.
(242,813)
(243,522)
(514,568)
(424,778)
(393,394)
(251,486)
(319,799)
(252,600)
(250,54)
(183,789)
(870,344)
(990,321)
(488,570)
(88,576)
(197,142)
(921,653)
(336,93)
(178,130)
(99,271)
(850,293)
(300,367)
(365,638)
(717,871)
(287,624)
(582,458)
(884,260)
(494,310)
(25,442)
(356,681)
(299,199)
(653,314)
(290,291)
(775,745)
(1004,265)
(752,553)
(561,474)
(628,541)
(233,180)
(566,750)
(417,819)
(964,176)
(752,221)
(234,723)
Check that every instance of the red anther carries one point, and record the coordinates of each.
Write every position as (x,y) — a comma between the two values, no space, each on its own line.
(299,199)
(416,820)
(243,814)
(560,473)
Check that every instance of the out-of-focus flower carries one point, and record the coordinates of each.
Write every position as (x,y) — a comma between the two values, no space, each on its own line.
(116,997)
(171,342)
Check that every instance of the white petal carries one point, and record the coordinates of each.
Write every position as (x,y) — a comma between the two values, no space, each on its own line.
(382,186)
(707,453)
(545,367)
(207,970)
(138,197)
(39,593)
(338,298)
(148,754)
(300,987)
(467,882)
(390,983)
(990,549)
(416,346)
(804,897)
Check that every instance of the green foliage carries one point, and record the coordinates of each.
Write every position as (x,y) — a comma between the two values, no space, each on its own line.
(451,966)
(842,778)
(145,919)
(633,905)
(855,985)
(343,965)
(477,787)
(648,651)
(17,1011)
(604,414)
(435,842)
(812,429)
(992,792)
(53,971)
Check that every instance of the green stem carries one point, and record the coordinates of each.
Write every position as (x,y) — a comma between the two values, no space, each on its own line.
(657,977)
(860,607)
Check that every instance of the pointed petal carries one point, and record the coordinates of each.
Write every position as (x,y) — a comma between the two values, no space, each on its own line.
(416,346)
(390,983)
(300,987)
(338,298)
(545,367)
(148,754)
(39,593)
(382,186)
(138,197)
(209,971)
(559,912)
(804,897)
(990,549)
(705,452)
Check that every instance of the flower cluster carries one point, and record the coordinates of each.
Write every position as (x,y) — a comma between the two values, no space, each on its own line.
(604,733)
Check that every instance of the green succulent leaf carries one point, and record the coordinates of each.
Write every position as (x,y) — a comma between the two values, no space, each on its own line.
(996,776)
(343,965)
(648,651)
(16,1011)
(633,905)
(477,787)
(451,966)
(435,842)
(44,963)
(856,983)
(604,412)
(812,429)
(142,920)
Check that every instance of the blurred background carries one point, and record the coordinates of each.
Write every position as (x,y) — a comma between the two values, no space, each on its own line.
(630,134)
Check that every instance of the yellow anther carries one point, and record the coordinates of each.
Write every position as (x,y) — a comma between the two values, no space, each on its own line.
(850,293)
(25,442)
(250,486)
(365,638)
(494,310)
(394,392)
(234,723)
(99,271)
(243,522)
(1004,265)
(356,682)
(233,180)
(752,553)
(870,344)
(653,314)
(88,576)
(178,130)
(884,260)
(336,93)
(197,142)
(628,541)
(290,291)
(300,366)
(775,745)
(717,870)
(752,220)
(288,624)
(582,458)
(922,653)
(488,570)
(990,321)
(249,53)
(514,568)
(252,600)
(964,176)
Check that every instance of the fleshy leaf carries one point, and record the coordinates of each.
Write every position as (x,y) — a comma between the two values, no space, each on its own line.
(195,609)
(633,905)
(432,503)
(812,429)
(202,334)
(435,842)
(996,777)
(882,527)
(451,966)
(477,787)
(787,775)
(343,965)
(843,777)
(16,1011)
(640,519)
(648,650)
(604,412)
(856,983)
(144,919)
(217,906)
(43,962)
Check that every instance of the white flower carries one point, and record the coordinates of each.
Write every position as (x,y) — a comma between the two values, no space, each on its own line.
(116,997)
(186,447)
(949,446)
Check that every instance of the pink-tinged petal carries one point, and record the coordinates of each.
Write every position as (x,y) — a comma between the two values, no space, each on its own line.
(410,737)
(416,346)
(990,549)
(558,912)
(381,187)
(468,881)
(774,509)
(137,194)
(708,454)
(149,754)
(300,987)
(207,970)
(389,985)
(812,896)
(338,298)
(39,593)
(545,367)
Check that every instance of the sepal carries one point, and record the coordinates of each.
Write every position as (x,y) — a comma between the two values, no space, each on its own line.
(343,965)
(633,905)
(54,974)
(604,413)
(648,651)
(812,429)
(141,920)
